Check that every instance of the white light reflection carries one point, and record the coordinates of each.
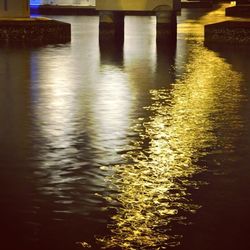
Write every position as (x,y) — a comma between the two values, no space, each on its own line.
(57,90)
(136,61)
(79,112)
(57,110)
(55,113)
(111,110)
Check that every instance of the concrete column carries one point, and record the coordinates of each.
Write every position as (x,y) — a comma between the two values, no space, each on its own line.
(111,25)
(14,8)
(166,25)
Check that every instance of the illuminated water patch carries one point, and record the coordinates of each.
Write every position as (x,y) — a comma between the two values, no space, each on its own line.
(151,192)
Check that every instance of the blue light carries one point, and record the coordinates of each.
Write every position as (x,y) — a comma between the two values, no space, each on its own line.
(35,2)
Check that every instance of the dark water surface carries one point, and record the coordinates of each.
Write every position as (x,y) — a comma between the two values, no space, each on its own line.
(143,146)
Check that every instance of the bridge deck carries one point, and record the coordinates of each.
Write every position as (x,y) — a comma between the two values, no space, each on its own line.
(139,5)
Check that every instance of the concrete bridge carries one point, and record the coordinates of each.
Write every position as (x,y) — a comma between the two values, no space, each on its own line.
(111,12)
(16,26)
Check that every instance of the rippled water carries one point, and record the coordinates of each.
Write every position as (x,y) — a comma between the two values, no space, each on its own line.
(152,188)
(141,146)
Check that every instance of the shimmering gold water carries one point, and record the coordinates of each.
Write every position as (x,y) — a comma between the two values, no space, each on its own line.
(152,189)
(66,110)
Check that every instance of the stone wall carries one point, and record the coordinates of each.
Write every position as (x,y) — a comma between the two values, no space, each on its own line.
(34,31)
(228,32)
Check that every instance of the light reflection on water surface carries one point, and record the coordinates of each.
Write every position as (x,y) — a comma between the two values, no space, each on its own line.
(151,190)
(66,111)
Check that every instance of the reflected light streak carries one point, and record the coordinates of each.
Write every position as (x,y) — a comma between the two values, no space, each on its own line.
(56,108)
(111,109)
(151,192)
(135,59)
(57,95)
(78,117)
(55,115)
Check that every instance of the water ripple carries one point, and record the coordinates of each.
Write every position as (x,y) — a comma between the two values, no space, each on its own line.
(151,191)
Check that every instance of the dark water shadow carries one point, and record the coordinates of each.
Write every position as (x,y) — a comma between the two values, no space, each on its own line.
(236,55)
(111,52)
(197,13)
(165,63)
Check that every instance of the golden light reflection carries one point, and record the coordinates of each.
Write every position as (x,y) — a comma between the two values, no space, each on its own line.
(150,193)
(193,29)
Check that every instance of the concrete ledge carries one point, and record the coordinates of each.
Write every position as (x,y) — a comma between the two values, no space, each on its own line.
(238,11)
(81,10)
(91,11)
(228,32)
(34,31)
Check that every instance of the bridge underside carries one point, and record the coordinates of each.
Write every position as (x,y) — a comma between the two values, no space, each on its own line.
(133,5)
(111,24)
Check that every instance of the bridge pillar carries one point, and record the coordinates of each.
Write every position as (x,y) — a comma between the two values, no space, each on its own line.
(166,25)
(14,8)
(111,25)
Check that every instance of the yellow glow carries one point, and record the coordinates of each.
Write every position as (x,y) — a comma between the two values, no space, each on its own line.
(151,189)
(192,29)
